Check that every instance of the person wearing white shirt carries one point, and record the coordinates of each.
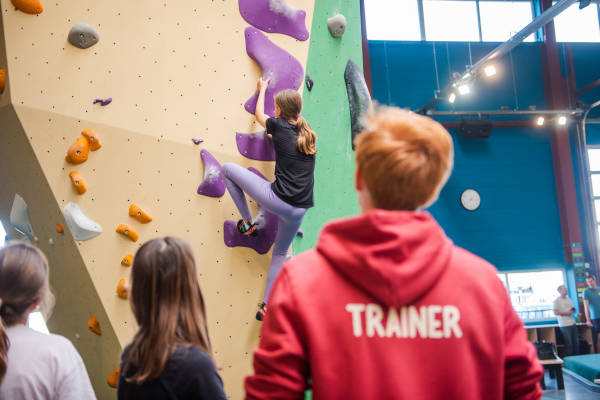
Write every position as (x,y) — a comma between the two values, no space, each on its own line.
(33,365)
(564,310)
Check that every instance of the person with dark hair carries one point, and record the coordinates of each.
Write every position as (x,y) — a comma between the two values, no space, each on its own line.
(291,195)
(591,306)
(386,306)
(33,365)
(564,310)
(170,356)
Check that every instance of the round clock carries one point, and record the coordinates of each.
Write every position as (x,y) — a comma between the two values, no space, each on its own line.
(470,200)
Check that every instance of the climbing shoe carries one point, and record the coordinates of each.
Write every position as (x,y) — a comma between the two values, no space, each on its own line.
(247,228)
(262,311)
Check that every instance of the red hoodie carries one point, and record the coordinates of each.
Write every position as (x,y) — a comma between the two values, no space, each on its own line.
(387,307)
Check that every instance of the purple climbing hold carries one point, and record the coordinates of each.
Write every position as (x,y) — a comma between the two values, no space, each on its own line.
(275,16)
(197,141)
(212,185)
(281,67)
(103,102)
(256,146)
(267,230)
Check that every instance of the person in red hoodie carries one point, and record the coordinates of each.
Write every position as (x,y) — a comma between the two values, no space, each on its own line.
(386,307)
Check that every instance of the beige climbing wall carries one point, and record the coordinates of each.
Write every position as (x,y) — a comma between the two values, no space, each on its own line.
(175,70)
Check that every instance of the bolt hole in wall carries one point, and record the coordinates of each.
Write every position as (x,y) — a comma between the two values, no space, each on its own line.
(36,319)
(393,30)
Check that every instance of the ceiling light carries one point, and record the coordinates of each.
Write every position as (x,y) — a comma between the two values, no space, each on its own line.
(490,70)
(540,121)
(452,98)
(463,89)
(562,120)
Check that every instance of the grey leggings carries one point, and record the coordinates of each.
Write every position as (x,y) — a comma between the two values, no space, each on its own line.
(239,181)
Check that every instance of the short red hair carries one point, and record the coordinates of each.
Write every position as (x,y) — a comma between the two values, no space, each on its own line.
(403,158)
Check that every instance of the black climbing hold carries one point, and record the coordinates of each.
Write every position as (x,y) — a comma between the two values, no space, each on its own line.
(358,97)
(309,83)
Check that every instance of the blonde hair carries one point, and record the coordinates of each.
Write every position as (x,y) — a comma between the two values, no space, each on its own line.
(290,104)
(168,305)
(404,159)
(23,281)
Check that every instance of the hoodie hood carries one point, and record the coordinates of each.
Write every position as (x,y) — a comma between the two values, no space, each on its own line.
(395,256)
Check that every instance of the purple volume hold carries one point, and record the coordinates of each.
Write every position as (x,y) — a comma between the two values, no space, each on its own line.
(267,230)
(275,16)
(212,185)
(255,146)
(284,70)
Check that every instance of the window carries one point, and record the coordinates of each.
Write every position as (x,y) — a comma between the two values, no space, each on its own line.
(575,25)
(2,235)
(450,21)
(500,20)
(533,292)
(392,20)
(594,164)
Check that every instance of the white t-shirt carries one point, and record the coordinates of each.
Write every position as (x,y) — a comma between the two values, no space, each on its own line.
(45,367)
(563,305)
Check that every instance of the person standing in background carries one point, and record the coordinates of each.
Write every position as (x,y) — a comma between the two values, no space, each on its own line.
(591,302)
(564,310)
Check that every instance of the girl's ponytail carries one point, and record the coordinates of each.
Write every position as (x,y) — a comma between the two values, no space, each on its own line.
(307,138)
(3,347)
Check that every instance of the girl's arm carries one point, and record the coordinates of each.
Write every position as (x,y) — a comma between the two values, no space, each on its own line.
(260,115)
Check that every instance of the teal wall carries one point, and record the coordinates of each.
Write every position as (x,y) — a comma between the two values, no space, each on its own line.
(326,109)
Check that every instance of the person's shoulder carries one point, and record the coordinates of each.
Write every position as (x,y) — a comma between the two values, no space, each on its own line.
(46,345)
(191,357)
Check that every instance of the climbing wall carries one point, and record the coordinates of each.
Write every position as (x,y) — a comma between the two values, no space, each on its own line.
(174,71)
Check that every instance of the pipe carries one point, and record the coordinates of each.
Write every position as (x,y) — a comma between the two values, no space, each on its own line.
(502,49)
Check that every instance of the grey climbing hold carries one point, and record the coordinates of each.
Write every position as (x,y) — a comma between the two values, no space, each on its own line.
(337,25)
(358,97)
(81,227)
(83,36)
(19,217)
(309,82)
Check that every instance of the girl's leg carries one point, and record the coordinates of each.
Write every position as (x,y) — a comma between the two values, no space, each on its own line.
(239,180)
(286,231)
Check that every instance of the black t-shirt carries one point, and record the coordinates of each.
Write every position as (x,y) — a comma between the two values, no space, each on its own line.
(188,374)
(294,170)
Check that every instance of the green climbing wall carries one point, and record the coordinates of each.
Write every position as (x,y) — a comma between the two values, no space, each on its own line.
(326,109)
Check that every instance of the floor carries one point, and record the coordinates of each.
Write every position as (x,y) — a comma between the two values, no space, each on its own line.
(573,390)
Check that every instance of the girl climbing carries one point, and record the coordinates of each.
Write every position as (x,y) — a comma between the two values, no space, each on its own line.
(290,196)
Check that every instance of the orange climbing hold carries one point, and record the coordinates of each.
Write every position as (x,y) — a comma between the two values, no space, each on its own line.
(113,379)
(136,212)
(127,260)
(78,182)
(92,138)
(127,231)
(123,289)
(94,325)
(59,228)
(2,80)
(28,6)
(79,151)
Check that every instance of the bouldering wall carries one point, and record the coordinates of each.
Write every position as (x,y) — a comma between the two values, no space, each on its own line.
(164,73)
(326,108)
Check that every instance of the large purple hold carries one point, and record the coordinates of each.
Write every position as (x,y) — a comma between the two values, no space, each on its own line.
(212,185)
(255,146)
(281,67)
(267,230)
(275,16)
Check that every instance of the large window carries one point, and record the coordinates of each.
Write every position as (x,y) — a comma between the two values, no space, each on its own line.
(471,20)
(575,25)
(532,293)
(594,164)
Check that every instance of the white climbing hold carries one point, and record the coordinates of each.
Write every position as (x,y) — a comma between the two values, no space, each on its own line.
(81,227)
(83,35)
(51,242)
(337,25)
(19,217)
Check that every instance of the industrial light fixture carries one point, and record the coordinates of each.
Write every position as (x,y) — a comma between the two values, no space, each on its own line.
(540,121)
(490,70)
(562,120)
(464,89)
(452,97)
